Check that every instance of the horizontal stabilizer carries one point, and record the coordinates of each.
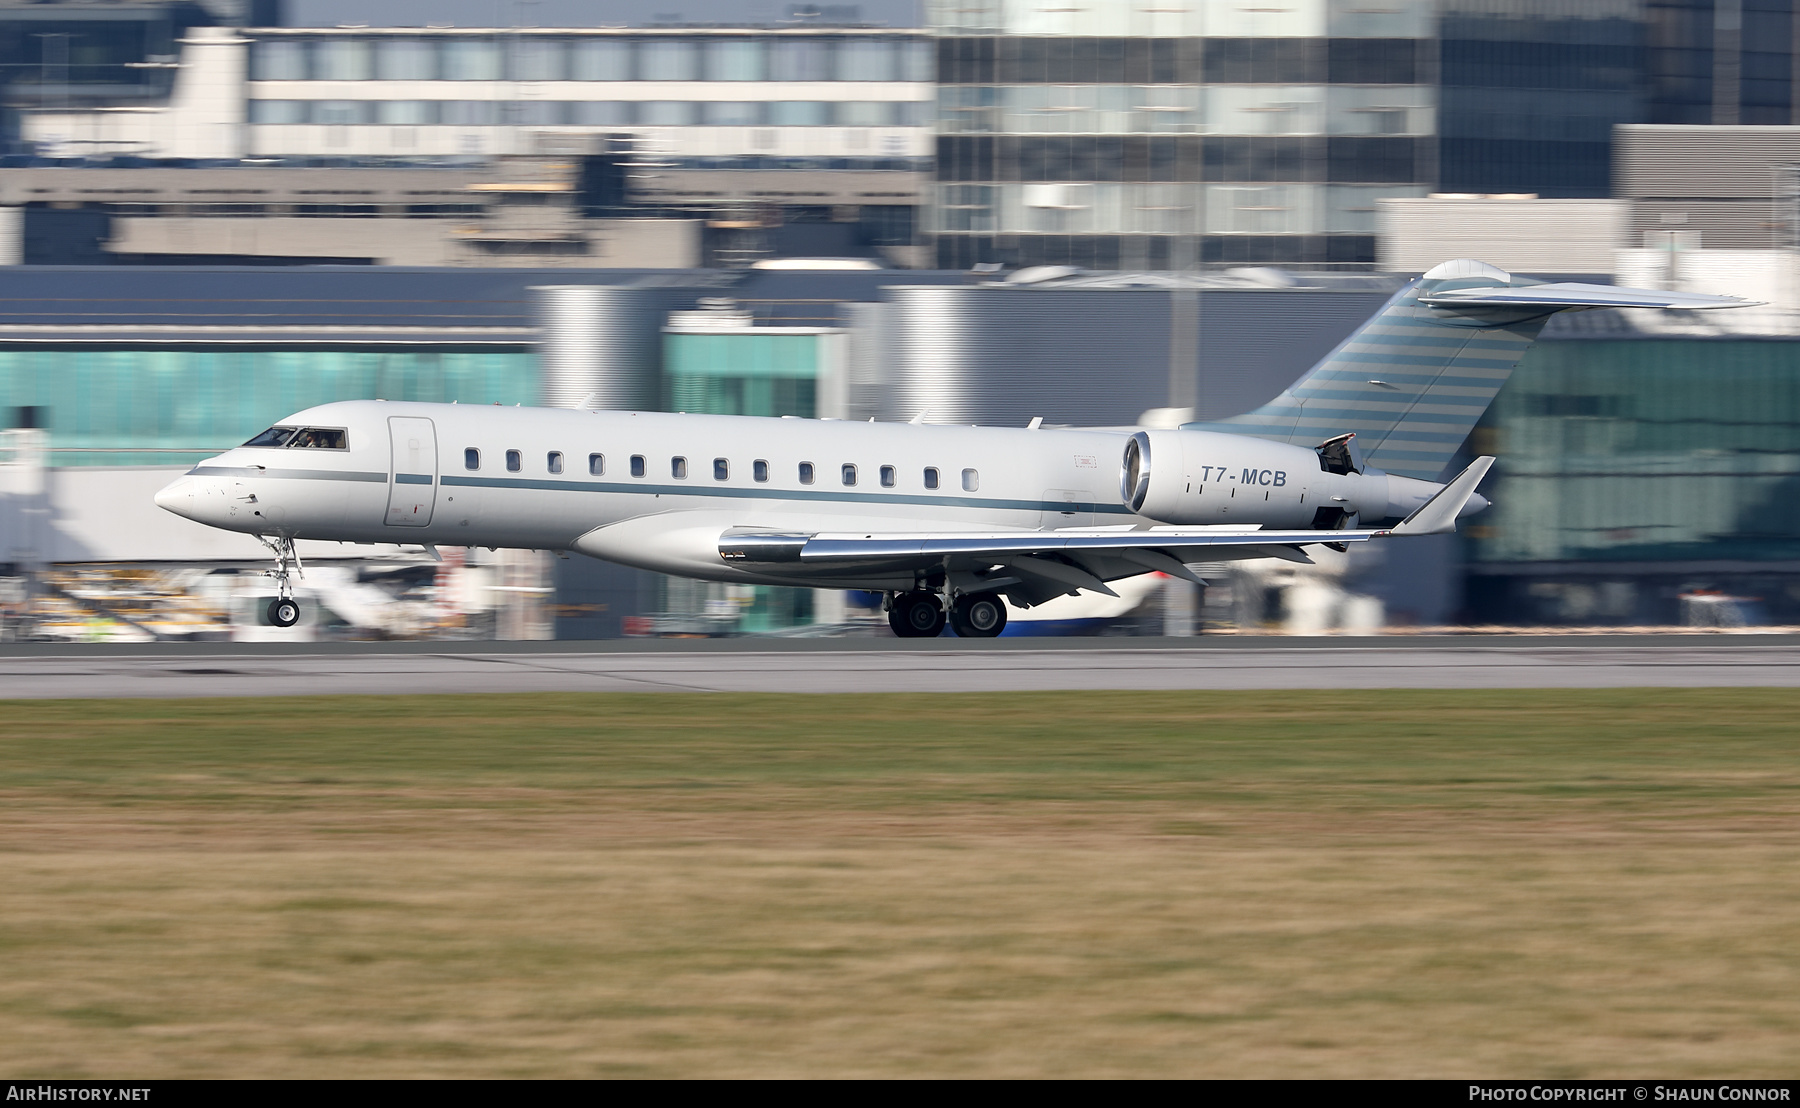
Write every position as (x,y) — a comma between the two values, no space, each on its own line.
(1438,515)
(1557,297)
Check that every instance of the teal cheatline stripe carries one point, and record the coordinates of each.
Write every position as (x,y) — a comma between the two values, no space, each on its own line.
(287,474)
(727,492)
(1446,369)
(412,478)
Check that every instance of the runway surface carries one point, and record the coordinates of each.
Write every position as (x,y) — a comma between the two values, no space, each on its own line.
(884,666)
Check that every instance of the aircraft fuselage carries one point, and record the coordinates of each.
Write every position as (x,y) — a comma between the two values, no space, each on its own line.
(655,490)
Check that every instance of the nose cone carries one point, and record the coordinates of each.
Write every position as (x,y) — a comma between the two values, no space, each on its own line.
(1476,503)
(178,497)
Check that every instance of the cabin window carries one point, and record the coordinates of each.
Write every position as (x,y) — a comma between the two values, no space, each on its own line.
(721,469)
(318,438)
(596,465)
(931,477)
(515,461)
(806,473)
(887,477)
(678,468)
(849,474)
(637,465)
(553,463)
(471,458)
(759,469)
(274,436)
(971,480)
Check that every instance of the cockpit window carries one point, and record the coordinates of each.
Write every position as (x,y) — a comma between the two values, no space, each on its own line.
(318,438)
(274,436)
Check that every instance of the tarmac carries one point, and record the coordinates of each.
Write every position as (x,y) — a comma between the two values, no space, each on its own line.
(888,665)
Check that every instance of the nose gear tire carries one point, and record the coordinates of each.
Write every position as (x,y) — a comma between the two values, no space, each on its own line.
(981,616)
(284,612)
(916,615)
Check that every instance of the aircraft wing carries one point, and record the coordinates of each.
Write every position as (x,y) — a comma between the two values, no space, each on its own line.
(1570,294)
(1048,562)
(1072,558)
(768,547)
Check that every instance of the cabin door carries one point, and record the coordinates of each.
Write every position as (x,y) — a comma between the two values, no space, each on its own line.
(413,478)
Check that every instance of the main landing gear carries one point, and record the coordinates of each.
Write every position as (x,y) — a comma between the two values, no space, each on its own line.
(980,615)
(916,615)
(921,615)
(284,610)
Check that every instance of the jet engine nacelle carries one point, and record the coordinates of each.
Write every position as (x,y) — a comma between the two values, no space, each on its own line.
(1203,477)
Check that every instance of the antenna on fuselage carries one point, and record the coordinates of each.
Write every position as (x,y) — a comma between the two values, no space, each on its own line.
(920,418)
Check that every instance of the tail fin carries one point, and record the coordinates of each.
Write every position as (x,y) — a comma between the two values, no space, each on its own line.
(1412,381)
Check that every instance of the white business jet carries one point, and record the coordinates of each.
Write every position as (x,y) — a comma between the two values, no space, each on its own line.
(944,521)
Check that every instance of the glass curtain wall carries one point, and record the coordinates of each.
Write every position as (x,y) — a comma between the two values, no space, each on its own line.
(1721,62)
(1116,137)
(755,375)
(1530,97)
(173,405)
(738,374)
(1645,451)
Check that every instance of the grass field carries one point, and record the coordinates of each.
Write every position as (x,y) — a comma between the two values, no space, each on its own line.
(1551,884)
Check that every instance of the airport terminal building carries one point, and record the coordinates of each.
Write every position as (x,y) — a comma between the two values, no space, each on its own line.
(1641,461)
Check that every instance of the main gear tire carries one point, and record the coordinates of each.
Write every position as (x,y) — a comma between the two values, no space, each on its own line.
(284,612)
(916,615)
(978,616)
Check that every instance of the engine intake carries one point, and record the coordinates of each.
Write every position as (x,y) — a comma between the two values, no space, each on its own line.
(1134,472)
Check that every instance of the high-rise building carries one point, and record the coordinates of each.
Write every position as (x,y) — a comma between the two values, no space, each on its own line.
(805,139)
(1529,92)
(1116,135)
(1107,134)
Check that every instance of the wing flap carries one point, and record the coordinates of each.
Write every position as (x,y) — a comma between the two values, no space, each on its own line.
(1001,547)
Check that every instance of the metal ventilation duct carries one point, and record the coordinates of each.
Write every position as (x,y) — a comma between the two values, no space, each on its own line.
(1100,357)
(603,342)
(1001,355)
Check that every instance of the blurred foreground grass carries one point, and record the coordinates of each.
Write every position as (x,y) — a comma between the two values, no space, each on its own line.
(1508,883)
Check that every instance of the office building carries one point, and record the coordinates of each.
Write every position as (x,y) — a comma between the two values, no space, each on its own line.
(1119,137)
(808,140)
(697,96)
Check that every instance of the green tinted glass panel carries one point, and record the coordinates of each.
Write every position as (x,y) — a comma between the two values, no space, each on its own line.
(1644,450)
(169,405)
(736,374)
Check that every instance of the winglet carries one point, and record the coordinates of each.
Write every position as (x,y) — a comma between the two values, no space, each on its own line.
(1437,516)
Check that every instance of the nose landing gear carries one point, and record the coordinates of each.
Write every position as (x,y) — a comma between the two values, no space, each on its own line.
(284,610)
